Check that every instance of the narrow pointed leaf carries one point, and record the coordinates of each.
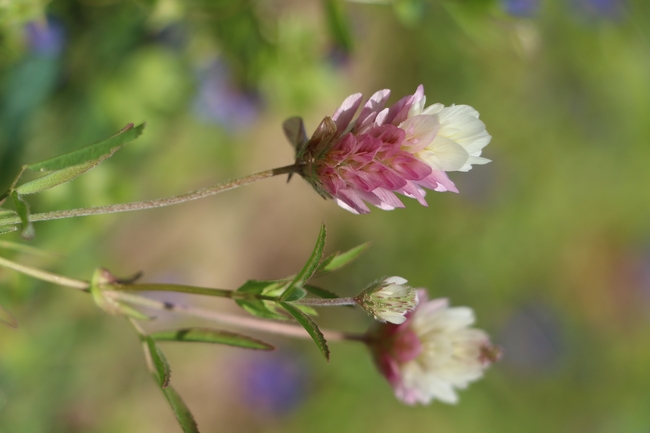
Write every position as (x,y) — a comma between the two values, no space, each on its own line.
(97,151)
(259,308)
(308,310)
(297,294)
(205,335)
(161,369)
(181,411)
(57,177)
(322,293)
(23,211)
(310,267)
(7,318)
(338,260)
(310,326)
(256,286)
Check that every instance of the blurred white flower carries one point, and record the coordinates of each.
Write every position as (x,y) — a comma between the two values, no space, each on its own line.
(433,353)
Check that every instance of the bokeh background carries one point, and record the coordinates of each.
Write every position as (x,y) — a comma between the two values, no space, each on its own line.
(549,243)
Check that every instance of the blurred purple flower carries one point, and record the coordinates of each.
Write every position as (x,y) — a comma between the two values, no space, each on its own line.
(174,36)
(521,8)
(599,9)
(272,383)
(45,38)
(532,339)
(338,58)
(219,100)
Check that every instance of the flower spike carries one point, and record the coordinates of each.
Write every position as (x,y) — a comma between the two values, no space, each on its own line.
(401,149)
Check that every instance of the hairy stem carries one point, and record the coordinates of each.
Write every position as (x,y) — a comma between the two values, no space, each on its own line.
(220,293)
(229,319)
(150,204)
(335,302)
(45,276)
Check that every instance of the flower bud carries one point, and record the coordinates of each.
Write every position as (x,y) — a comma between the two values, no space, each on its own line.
(388,300)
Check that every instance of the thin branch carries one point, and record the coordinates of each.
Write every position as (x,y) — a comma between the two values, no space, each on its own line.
(45,276)
(229,319)
(334,302)
(151,204)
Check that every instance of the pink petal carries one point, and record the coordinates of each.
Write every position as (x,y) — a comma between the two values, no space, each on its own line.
(345,112)
(398,112)
(387,198)
(410,167)
(353,200)
(413,191)
(438,181)
(373,105)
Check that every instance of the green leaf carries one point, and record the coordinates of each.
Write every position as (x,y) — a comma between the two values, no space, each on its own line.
(205,335)
(94,152)
(338,260)
(161,369)
(259,308)
(310,267)
(308,310)
(7,318)
(57,177)
(257,287)
(322,293)
(310,326)
(182,412)
(297,294)
(4,230)
(338,24)
(23,211)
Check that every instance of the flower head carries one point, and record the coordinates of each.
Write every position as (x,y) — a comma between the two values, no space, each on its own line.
(433,353)
(401,149)
(388,300)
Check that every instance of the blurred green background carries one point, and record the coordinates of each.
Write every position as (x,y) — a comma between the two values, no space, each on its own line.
(550,243)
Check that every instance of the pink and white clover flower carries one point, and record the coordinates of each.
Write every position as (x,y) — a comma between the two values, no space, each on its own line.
(403,149)
(433,353)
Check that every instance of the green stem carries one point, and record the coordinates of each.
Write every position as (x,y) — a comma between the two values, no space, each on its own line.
(220,293)
(150,204)
(229,319)
(45,276)
(335,302)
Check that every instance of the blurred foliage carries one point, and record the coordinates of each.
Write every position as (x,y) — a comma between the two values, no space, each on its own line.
(550,243)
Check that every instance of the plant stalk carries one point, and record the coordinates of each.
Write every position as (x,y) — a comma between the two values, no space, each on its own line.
(151,204)
(229,319)
(45,276)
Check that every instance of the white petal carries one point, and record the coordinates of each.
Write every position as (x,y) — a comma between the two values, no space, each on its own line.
(395,280)
(420,131)
(444,154)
